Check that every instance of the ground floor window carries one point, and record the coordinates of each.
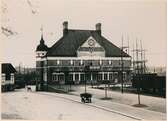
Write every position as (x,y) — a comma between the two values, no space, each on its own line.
(76,76)
(115,77)
(124,76)
(60,77)
(100,76)
(95,76)
(110,76)
(82,76)
(70,77)
(105,76)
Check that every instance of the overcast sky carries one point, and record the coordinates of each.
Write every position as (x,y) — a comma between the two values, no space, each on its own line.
(143,20)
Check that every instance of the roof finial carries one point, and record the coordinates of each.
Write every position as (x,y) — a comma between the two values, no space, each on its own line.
(42,40)
(41,31)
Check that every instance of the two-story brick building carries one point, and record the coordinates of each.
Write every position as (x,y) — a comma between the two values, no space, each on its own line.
(81,55)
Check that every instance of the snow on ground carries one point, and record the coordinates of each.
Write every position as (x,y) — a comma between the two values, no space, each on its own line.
(33,105)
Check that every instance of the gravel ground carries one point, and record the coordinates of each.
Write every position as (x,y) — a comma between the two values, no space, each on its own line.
(36,106)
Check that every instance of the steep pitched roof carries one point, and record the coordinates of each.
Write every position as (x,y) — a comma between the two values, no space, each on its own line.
(7,68)
(42,46)
(67,45)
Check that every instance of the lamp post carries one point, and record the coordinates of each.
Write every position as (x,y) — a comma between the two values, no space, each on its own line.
(86,69)
(91,43)
(47,74)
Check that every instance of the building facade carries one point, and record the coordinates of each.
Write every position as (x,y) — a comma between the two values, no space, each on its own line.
(7,77)
(81,55)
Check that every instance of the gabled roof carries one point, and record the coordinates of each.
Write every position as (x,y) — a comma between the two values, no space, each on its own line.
(67,45)
(7,68)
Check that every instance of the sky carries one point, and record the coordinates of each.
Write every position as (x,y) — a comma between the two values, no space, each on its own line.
(145,21)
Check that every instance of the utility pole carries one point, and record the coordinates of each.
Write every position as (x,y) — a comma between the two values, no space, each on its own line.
(133,59)
(128,45)
(122,66)
(137,62)
(122,61)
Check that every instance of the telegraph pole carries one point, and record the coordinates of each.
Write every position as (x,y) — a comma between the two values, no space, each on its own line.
(137,61)
(122,66)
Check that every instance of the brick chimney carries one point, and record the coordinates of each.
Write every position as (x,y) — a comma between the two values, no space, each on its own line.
(65,28)
(98,28)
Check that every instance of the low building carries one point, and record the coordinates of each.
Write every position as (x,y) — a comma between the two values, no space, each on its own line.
(7,77)
(81,55)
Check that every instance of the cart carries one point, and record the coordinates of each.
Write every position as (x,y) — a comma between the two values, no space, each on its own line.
(86,97)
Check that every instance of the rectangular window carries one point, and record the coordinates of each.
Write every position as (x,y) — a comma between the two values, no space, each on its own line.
(70,77)
(87,77)
(12,78)
(81,62)
(110,63)
(65,62)
(95,76)
(105,76)
(82,77)
(100,76)
(115,77)
(61,77)
(110,76)
(95,62)
(71,62)
(100,62)
(115,74)
(76,62)
(124,76)
(58,62)
(105,62)
(52,77)
(55,77)
(77,77)
(3,77)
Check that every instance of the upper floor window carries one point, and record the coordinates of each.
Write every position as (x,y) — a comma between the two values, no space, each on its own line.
(100,62)
(110,62)
(58,62)
(81,62)
(71,62)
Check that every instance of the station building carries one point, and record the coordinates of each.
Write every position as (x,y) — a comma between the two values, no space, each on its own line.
(81,55)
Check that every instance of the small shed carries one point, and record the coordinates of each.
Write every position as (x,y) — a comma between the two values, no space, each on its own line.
(7,77)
